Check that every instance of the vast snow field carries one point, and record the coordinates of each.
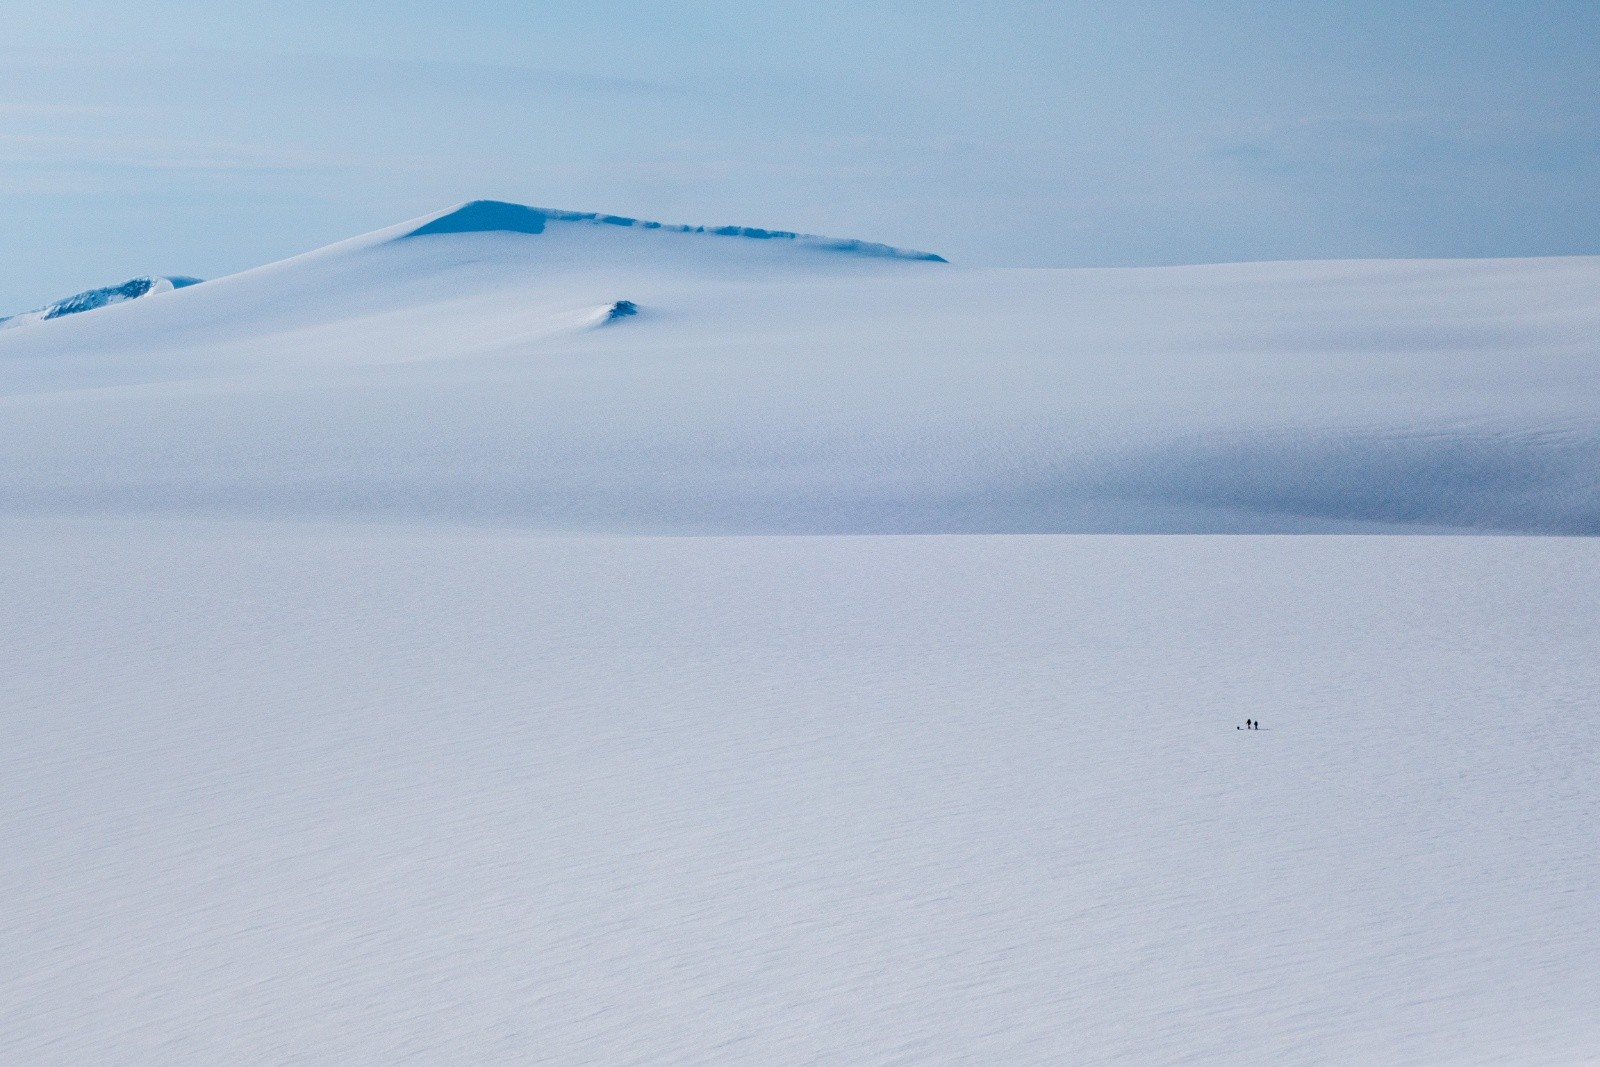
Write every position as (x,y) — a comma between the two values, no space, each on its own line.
(375,795)
(354,710)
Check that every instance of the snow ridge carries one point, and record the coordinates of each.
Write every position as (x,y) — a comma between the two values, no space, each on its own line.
(486,216)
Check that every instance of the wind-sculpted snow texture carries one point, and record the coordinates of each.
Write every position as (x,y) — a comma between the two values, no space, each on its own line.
(447,369)
(375,796)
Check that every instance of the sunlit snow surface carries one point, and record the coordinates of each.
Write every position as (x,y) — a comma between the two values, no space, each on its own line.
(368,796)
(339,727)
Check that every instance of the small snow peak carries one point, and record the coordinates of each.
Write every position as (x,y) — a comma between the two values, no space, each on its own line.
(91,299)
(598,318)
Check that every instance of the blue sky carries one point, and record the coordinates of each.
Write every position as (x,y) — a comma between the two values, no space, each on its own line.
(194,138)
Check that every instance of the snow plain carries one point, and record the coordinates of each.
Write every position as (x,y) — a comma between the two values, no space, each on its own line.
(375,795)
(350,716)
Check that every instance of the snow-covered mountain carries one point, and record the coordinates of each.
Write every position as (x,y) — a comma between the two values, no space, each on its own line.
(449,368)
(90,299)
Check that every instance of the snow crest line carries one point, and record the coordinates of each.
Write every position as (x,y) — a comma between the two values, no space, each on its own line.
(487,216)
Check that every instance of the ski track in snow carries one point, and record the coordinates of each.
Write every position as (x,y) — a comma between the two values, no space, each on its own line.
(368,795)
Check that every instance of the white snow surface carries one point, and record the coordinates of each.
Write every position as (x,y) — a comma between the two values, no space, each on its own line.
(447,370)
(319,795)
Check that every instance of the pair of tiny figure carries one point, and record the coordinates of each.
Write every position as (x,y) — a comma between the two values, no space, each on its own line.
(1249,724)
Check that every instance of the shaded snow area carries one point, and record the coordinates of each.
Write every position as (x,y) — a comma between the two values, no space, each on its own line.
(365,795)
(448,370)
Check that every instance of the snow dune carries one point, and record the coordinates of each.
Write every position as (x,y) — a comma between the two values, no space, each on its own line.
(447,370)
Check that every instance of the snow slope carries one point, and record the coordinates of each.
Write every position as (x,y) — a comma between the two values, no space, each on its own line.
(371,796)
(450,369)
